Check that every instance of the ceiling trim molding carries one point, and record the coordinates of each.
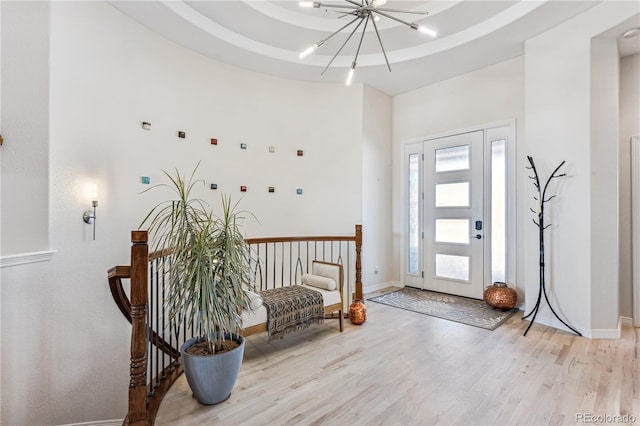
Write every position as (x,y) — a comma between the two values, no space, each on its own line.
(307,20)
(431,47)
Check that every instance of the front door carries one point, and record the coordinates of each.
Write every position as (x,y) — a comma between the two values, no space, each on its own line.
(454,214)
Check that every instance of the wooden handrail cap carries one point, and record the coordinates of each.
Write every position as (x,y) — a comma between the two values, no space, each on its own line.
(139,236)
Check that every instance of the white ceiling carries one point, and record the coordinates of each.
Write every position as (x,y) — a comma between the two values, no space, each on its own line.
(267,36)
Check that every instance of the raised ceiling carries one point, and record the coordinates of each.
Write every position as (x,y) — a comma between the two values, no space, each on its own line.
(267,36)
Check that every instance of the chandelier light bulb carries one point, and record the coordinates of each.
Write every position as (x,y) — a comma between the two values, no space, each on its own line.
(309,4)
(631,33)
(377,3)
(427,31)
(350,75)
(307,51)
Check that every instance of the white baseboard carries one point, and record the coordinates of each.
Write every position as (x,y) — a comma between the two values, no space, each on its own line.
(609,333)
(612,333)
(117,422)
(603,333)
(626,321)
(375,287)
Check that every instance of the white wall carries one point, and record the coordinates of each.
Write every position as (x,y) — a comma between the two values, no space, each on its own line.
(563,122)
(629,126)
(65,344)
(485,96)
(24,157)
(376,190)
(604,182)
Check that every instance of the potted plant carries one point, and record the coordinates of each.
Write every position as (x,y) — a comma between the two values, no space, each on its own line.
(208,278)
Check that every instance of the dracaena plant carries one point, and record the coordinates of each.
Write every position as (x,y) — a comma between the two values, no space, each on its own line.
(207,267)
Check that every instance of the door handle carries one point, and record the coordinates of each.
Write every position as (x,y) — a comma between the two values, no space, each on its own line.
(477,236)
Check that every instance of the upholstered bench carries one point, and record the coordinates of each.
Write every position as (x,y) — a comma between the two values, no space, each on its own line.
(325,278)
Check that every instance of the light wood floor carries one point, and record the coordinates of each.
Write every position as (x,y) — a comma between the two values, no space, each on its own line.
(404,368)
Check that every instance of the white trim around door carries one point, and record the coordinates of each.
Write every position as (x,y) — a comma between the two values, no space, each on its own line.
(499,134)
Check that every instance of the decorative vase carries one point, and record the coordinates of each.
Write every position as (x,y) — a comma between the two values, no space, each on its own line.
(500,296)
(211,377)
(357,312)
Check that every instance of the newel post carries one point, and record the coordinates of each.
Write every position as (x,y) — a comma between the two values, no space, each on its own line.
(358,262)
(138,375)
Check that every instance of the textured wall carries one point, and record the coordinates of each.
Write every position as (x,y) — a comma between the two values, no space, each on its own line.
(376,189)
(24,157)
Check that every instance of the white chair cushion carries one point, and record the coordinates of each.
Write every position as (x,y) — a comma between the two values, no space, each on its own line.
(319,282)
(251,318)
(255,300)
(329,297)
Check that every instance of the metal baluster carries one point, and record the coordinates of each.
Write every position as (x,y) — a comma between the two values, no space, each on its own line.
(266,265)
(274,265)
(157,324)
(298,263)
(150,391)
(164,357)
(258,267)
(282,264)
(176,330)
(171,328)
(183,332)
(349,283)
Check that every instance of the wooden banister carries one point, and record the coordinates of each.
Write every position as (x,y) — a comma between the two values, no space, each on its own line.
(116,274)
(139,282)
(359,262)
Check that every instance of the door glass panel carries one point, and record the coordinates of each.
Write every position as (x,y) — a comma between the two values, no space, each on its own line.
(452,231)
(452,194)
(498,210)
(455,267)
(451,159)
(414,213)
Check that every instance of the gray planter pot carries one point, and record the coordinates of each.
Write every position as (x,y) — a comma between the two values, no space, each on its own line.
(212,377)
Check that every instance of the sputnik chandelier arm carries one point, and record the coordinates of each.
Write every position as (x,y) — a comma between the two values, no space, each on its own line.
(321,42)
(353,64)
(363,11)
(384,53)
(340,50)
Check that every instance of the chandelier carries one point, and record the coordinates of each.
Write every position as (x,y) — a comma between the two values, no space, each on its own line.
(363,11)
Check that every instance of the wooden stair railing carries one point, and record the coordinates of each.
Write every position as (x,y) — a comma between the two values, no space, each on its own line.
(143,308)
(144,398)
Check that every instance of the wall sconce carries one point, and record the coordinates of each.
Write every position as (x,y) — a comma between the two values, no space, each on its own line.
(89,216)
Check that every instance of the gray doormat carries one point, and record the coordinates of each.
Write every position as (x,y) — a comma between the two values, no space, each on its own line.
(454,308)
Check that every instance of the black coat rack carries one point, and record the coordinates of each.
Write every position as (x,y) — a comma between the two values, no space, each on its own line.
(541,201)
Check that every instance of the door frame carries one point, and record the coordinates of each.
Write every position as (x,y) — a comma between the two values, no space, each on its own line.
(488,129)
(635,227)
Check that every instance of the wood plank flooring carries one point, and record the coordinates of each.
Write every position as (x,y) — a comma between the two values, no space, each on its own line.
(404,368)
